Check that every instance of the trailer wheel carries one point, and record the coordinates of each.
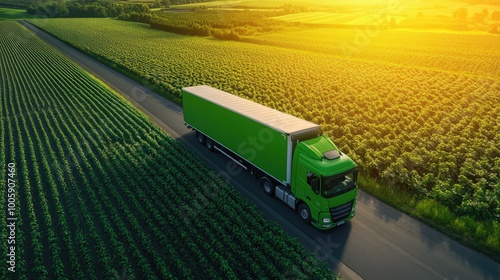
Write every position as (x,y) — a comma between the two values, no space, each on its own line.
(267,185)
(304,213)
(209,143)
(200,137)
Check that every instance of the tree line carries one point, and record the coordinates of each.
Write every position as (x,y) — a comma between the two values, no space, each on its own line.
(27,3)
(83,8)
(227,25)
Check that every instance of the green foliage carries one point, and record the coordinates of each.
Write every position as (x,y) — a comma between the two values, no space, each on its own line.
(137,17)
(106,194)
(427,139)
(226,34)
(84,9)
(411,113)
(7,13)
(20,4)
(178,2)
(221,24)
(434,211)
(482,235)
(191,28)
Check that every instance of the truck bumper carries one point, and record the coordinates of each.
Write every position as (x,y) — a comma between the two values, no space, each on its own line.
(326,226)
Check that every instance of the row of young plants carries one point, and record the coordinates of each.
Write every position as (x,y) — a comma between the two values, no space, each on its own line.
(462,53)
(106,194)
(431,131)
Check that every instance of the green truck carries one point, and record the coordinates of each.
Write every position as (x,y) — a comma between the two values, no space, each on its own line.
(292,159)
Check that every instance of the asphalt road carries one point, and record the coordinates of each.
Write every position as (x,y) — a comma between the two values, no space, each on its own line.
(379,243)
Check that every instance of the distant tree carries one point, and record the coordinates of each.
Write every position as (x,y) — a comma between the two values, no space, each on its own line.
(293,8)
(393,23)
(461,13)
(62,9)
(494,29)
(96,10)
(31,9)
(480,16)
(495,15)
(165,3)
(225,34)
(115,10)
(200,8)
(49,9)
(88,1)
(138,8)
(287,8)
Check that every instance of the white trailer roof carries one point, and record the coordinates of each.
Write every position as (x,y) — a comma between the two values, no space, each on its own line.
(275,119)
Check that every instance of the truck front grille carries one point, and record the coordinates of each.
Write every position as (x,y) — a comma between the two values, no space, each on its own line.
(341,212)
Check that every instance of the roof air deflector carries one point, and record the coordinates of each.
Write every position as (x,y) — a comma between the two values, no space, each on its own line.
(332,154)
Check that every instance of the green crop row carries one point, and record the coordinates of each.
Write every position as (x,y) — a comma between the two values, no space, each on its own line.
(424,129)
(413,114)
(105,194)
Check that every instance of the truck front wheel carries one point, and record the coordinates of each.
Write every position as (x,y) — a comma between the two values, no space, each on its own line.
(304,213)
(200,137)
(267,185)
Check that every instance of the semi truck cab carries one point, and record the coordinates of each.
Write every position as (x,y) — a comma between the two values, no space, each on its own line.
(324,183)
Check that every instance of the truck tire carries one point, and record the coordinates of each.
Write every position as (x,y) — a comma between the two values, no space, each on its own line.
(268,186)
(210,144)
(304,213)
(200,137)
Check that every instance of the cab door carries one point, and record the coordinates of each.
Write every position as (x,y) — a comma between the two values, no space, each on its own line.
(309,189)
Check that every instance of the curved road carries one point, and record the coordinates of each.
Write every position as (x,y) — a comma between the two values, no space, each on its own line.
(379,243)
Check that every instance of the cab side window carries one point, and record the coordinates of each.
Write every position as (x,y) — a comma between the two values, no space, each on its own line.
(313,182)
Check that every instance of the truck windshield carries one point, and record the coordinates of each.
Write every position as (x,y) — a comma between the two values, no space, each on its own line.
(338,184)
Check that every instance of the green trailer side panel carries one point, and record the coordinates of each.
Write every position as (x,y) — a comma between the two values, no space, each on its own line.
(261,145)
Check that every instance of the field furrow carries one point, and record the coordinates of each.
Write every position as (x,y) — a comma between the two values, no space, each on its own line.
(404,107)
(106,194)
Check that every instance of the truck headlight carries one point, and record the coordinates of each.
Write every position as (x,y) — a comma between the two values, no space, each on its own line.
(327,220)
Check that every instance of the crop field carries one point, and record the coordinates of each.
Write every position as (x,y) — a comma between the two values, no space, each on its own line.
(469,53)
(312,4)
(246,3)
(413,14)
(102,193)
(331,18)
(321,17)
(417,110)
(7,13)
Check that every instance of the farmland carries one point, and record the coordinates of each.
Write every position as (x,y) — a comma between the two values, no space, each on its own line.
(415,115)
(6,13)
(100,190)
(325,18)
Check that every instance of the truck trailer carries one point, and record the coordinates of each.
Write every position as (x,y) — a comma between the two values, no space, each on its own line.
(289,156)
